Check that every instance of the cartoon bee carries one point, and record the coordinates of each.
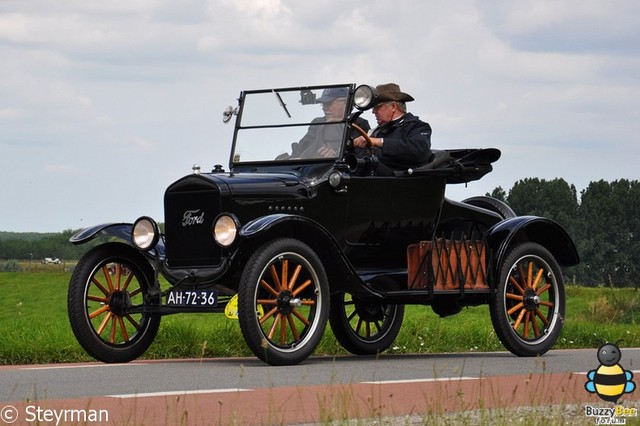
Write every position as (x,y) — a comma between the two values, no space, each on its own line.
(609,381)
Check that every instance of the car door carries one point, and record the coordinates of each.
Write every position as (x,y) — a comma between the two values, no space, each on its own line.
(386,214)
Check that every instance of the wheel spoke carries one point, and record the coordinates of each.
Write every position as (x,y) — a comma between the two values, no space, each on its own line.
(107,276)
(268,315)
(301,288)
(97,299)
(514,297)
(513,281)
(523,279)
(272,330)
(526,325)
(294,329)
(128,281)
(285,275)
(113,329)
(530,274)
(515,308)
(542,317)
(276,279)
(519,319)
(123,329)
(267,287)
(99,311)
(283,329)
(104,322)
(543,289)
(301,317)
(118,276)
(98,284)
(294,277)
(536,330)
(537,280)
(133,322)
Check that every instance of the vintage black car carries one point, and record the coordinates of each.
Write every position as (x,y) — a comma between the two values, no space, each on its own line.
(291,237)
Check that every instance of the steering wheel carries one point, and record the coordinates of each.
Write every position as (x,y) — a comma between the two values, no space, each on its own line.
(363,133)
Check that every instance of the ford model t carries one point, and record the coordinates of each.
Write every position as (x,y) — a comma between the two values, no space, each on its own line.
(289,238)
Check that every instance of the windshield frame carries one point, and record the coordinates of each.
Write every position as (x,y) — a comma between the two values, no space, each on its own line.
(278,118)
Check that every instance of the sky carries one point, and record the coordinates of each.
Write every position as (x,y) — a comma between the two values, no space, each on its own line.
(104,103)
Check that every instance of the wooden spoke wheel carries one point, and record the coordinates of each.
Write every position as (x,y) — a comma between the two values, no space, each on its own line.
(529,306)
(108,285)
(364,327)
(283,302)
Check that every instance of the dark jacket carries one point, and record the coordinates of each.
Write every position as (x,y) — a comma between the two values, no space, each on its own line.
(329,135)
(407,143)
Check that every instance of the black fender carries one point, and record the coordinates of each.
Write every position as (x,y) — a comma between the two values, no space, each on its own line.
(342,276)
(119,230)
(540,230)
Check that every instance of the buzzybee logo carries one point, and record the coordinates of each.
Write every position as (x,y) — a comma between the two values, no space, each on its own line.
(610,381)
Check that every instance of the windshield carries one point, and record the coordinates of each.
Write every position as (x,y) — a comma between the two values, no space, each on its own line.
(291,124)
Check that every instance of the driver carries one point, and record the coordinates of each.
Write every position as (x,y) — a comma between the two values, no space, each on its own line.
(402,139)
(324,141)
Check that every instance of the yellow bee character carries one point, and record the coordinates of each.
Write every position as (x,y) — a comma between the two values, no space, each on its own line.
(609,381)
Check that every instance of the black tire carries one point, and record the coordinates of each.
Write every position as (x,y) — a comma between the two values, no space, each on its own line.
(528,308)
(364,328)
(283,302)
(108,280)
(493,204)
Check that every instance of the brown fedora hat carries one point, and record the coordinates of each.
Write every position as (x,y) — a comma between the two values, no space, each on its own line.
(391,92)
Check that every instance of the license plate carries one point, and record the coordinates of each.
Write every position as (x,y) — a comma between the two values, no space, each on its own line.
(179,297)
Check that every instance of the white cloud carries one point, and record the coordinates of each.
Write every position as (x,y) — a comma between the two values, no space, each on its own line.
(138,86)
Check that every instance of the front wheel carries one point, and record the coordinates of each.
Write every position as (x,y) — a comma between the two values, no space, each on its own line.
(364,327)
(108,283)
(283,302)
(528,308)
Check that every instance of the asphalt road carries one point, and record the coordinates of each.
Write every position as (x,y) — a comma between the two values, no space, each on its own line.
(63,381)
(246,391)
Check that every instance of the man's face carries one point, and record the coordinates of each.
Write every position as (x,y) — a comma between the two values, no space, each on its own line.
(384,112)
(334,110)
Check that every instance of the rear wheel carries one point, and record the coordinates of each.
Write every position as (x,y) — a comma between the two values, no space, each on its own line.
(364,327)
(109,281)
(528,308)
(283,302)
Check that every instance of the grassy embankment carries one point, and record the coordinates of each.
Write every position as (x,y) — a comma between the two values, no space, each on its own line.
(34,326)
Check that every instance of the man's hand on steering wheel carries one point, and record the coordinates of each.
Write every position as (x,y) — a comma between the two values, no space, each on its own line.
(364,140)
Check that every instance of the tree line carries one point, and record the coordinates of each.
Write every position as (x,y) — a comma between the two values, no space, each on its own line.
(604,222)
(35,246)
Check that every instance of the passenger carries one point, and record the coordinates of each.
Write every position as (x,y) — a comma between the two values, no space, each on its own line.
(324,141)
(401,140)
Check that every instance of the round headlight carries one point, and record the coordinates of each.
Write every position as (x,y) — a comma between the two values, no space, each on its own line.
(145,233)
(225,230)
(364,97)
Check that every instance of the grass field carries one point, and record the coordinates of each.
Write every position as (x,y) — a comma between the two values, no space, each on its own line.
(34,326)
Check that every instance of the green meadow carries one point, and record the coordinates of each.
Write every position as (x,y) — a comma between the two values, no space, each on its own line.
(34,327)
